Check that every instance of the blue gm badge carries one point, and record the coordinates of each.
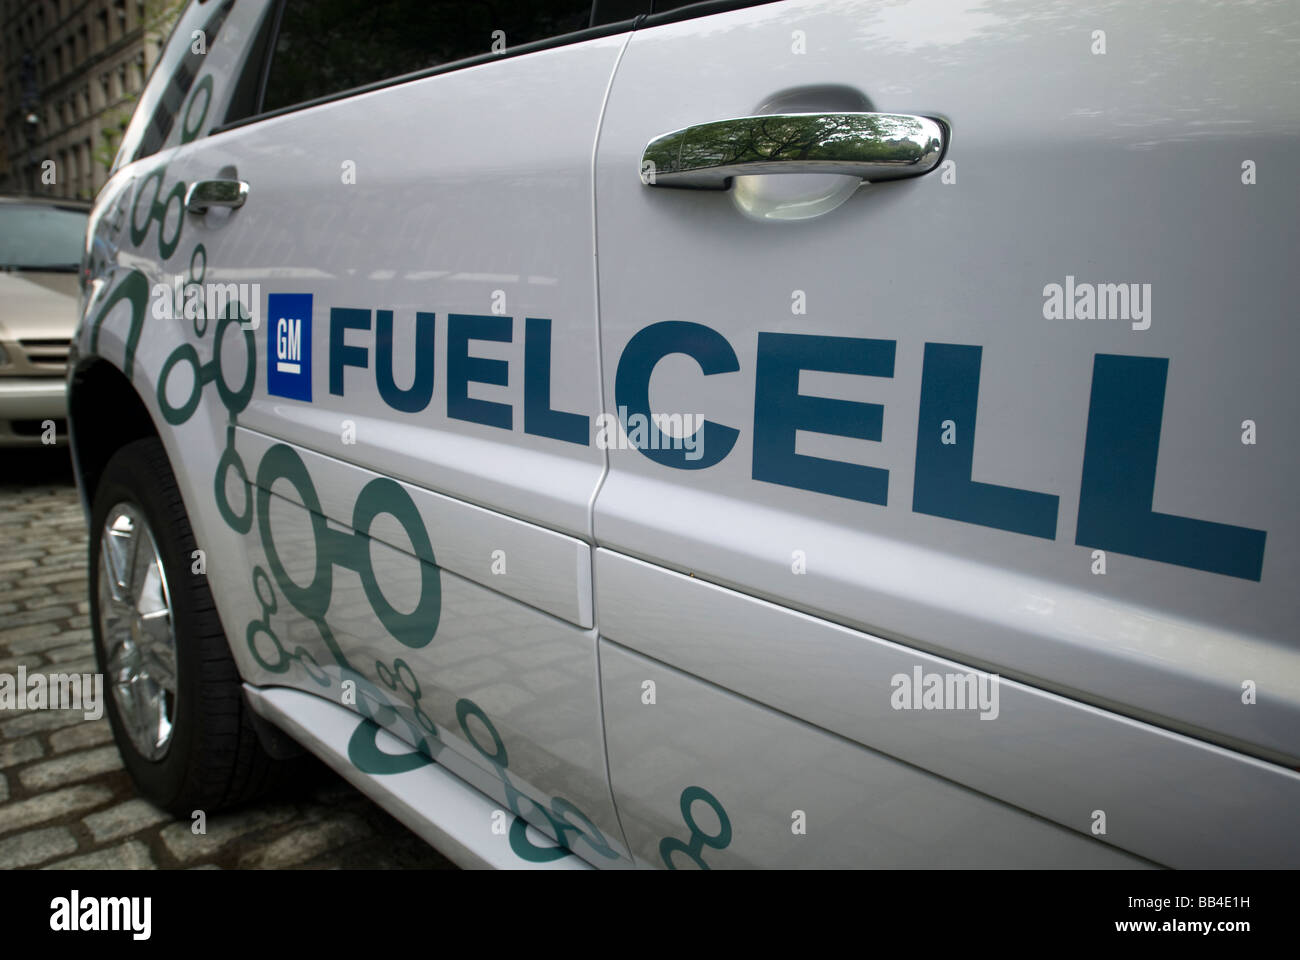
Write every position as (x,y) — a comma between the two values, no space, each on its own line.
(288,348)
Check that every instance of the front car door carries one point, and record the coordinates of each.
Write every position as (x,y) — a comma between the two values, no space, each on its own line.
(403,466)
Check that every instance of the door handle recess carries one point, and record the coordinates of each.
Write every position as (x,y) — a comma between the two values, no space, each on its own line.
(873,146)
(204,194)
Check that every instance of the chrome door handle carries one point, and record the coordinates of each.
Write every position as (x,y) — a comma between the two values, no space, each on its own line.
(873,146)
(204,194)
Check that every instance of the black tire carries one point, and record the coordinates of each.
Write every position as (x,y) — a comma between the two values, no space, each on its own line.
(215,758)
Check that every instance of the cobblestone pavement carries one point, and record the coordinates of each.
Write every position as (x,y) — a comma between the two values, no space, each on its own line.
(65,799)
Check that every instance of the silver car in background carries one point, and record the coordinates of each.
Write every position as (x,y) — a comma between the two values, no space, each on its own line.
(40,254)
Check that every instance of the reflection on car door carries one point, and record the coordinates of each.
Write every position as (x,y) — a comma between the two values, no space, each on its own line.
(987,421)
(417,441)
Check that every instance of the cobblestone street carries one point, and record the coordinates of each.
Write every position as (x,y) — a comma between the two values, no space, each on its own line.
(65,799)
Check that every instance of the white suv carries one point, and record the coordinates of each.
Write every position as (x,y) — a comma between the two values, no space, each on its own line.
(733,434)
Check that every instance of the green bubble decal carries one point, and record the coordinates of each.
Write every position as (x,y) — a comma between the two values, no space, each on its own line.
(262,628)
(699,839)
(364,752)
(191,130)
(157,211)
(394,701)
(556,816)
(200,330)
(133,288)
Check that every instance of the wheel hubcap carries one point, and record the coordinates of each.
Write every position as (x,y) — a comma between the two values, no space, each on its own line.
(136,626)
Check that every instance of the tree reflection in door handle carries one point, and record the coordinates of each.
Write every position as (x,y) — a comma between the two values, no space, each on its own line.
(203,194)
(873,146)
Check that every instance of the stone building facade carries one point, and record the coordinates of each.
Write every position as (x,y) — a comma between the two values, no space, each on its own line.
(71,73)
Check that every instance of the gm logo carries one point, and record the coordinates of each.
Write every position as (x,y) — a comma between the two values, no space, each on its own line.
(288,345)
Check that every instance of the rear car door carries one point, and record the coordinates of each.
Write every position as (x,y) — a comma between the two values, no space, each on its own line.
(408,464)
(1019,422)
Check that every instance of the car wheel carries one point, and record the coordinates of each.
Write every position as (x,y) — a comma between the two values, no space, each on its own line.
(173,694)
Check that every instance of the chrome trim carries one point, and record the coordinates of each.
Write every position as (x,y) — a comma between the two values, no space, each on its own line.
(873,146)
(204,194)
(137,630)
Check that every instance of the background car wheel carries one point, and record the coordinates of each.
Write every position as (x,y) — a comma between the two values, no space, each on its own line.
(172,691)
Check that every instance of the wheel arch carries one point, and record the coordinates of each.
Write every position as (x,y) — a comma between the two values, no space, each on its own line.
(105,412)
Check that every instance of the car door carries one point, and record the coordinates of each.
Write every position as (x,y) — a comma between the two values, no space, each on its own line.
(1017,421)
(407,206)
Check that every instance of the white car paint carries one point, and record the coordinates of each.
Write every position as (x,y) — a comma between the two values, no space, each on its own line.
(651,634)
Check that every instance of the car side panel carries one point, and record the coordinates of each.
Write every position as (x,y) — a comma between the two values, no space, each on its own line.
(707,778)
(1047,755)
